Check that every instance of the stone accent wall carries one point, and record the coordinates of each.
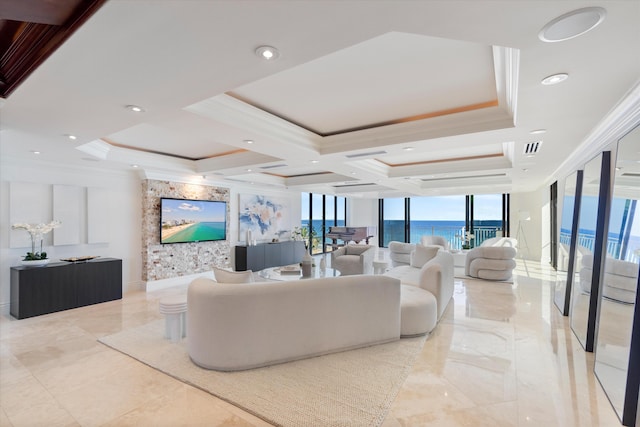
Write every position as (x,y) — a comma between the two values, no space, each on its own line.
(180,259)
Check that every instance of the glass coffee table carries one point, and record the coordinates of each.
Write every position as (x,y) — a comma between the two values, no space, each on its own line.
(284,274)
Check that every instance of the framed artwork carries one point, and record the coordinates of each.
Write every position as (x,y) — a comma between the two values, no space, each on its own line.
(265,217)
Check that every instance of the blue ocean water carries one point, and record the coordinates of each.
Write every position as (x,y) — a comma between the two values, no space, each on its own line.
(199,232)
(450,230)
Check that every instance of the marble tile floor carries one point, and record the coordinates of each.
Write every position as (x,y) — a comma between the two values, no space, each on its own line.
(501,356)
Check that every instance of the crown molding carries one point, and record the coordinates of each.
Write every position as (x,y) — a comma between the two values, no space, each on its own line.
(620,120)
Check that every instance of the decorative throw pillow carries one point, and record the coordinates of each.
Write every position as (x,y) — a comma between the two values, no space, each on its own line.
(422,254)
(226,276)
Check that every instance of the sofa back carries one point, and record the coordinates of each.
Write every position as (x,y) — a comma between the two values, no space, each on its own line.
(400,253)
(241,326)
(500,241)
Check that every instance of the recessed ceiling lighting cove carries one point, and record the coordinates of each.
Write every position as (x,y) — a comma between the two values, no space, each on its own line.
(135,108)
(572,24)
(268,53)
(554,79)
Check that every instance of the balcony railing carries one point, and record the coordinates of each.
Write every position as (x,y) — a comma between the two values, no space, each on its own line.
(613,246)
(455,236)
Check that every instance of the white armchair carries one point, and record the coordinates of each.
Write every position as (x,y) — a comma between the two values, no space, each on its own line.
(429,240)
(353,259)
(400,253)
(491,262)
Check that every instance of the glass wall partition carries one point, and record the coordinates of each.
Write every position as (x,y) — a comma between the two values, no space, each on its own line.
(617,359)
(593,215)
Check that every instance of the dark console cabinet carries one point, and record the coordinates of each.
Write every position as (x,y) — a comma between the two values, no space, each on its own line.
(267,255)
(61,286)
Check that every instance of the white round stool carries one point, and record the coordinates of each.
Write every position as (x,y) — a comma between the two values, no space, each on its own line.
(174,309)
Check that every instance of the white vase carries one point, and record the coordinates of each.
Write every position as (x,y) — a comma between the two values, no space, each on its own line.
(35,262)
(307,262)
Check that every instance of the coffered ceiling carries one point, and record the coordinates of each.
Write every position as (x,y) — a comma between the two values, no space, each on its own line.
(367,99)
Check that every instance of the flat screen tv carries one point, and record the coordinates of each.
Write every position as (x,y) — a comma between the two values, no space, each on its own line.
(187,221)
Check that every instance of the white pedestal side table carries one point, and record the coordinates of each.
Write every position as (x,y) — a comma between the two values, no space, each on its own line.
(174,309)
(380,266)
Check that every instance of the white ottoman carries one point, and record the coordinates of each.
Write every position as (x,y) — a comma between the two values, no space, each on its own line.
(418,311)
(174,309)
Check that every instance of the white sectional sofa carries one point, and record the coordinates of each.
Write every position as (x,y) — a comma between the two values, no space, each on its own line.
(434,276)
(236,326)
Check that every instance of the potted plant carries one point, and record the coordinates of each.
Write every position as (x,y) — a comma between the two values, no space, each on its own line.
(36,232)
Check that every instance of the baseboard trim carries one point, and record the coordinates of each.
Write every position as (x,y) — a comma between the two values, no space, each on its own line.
(157,285)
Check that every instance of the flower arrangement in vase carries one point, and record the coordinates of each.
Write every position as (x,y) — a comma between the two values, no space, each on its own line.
(37,232)
(468,237)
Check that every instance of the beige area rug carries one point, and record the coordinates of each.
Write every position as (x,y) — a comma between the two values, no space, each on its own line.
(351,388)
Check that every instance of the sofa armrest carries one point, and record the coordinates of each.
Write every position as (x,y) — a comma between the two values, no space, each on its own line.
(366,258)
(338,252)
(436,276)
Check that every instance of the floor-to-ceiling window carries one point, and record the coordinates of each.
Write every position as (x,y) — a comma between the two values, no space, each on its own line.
(317,222)
(462,220)
(319,212)
(440,216)
(329,220)
(487,217)
(392,220)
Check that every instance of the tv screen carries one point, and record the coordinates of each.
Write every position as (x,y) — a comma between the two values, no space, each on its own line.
(185,221)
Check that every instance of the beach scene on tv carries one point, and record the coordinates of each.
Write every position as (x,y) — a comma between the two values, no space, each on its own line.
(192,221)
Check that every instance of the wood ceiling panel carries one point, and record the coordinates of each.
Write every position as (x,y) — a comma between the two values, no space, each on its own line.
(31,31)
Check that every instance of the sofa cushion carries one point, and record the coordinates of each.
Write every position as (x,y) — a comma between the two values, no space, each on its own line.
(356,249)
(423,254)
(226,276)
(408,275)
(418,311)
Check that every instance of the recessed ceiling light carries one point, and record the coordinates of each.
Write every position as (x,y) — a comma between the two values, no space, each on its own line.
(315,161)
(35,152)
(525,170)
(537,131)
(248,170)
(408,148)
(72,137)
(135,166)
(268,53)
(135,108)
(353,173)
(554,79)
(249,141)
(572,24)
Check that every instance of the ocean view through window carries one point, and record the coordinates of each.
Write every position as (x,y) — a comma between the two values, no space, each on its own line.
(407,220)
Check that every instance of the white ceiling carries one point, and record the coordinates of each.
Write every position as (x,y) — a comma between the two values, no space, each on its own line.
(356,85)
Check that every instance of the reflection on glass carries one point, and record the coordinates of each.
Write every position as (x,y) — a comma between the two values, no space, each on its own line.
(620,279)
(561,297)
(587,254)
(487,217)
